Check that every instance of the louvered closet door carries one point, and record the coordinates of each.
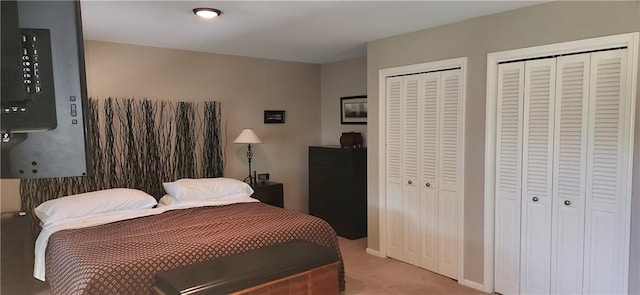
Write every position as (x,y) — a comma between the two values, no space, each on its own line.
(537,163)
(450,128)
(569,170)
(429,171)
(608,174)
(410,182)
(508,177)
(424,168)
(573,225)
(395,215)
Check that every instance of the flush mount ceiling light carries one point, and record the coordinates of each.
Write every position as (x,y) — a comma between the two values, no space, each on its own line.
(206,12)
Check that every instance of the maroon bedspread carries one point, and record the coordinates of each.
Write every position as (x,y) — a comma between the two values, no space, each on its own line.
(123,257)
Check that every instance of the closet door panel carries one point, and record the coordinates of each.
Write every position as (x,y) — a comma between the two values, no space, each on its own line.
(537,161)
(607,225)
(424,165)
(508,177)
(448,256)
(569,170)
(395,216)
(429,171)
(410,150)
(411,253)
(450,122)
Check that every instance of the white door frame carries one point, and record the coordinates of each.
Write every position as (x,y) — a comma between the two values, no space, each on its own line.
(382,143)
(629,40)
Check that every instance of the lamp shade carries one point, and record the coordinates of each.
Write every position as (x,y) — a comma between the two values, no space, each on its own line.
(247,136)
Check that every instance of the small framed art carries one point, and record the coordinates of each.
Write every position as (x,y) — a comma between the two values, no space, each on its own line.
(353,109)
(273,117)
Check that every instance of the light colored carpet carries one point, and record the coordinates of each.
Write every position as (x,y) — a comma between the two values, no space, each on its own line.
(365,274)
(368,274)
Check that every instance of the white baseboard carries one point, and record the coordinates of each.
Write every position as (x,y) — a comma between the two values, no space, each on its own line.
(374,253)
(472,284)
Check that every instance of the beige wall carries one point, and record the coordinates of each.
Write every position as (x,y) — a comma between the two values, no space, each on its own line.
(9,195)
(245,87)
(339,79)
(538,25)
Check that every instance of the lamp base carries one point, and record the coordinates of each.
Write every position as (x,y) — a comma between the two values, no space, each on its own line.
(251,180)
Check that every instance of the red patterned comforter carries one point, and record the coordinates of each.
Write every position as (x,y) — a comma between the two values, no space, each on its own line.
(123,257)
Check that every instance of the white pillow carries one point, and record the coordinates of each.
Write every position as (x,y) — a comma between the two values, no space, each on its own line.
(170,203)
(93,203)
(167,200)
(207,188)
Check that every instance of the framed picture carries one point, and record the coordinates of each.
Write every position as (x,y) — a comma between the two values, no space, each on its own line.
(273,117)
(353,109)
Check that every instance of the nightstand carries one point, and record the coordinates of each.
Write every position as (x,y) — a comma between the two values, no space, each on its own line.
(269,192)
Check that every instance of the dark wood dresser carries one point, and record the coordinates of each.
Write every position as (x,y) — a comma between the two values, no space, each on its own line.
(338,189)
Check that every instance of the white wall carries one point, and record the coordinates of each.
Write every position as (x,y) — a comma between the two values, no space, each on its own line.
(339,79)
(548,23)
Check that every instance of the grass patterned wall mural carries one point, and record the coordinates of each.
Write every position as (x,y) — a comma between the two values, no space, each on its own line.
(140,143)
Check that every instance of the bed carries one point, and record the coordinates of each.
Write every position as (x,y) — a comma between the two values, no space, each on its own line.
(122,257)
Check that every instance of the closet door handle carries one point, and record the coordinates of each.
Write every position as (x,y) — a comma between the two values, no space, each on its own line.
(410,182)
(567,202)
(535,199)
(428,184)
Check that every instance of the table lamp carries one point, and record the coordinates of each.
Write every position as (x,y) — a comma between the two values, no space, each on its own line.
(248,136)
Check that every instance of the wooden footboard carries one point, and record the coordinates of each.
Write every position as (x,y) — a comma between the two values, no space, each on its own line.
(293,267)
(318,281)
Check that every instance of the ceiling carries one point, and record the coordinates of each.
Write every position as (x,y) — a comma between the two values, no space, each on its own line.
(302,31)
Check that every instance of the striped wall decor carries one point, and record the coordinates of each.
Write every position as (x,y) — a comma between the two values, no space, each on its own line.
(140,143)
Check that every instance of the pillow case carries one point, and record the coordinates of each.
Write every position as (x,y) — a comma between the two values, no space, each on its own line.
(186,189)
(167,202)
(93,203)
